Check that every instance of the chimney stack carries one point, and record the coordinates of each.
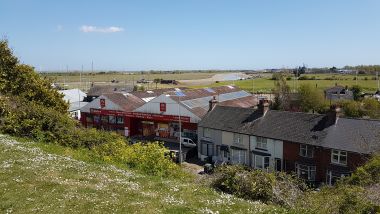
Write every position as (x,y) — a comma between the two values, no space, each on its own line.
(334,114)
(212,103)
(264,106)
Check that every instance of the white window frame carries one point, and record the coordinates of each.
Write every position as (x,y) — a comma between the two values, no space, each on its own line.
(238,138)
(263,160)
(261,143)
(240,159)
(339,154)
(207,132)
(311,171)
(309,151)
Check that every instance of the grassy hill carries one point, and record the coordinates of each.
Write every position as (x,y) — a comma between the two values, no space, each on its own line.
(36,177)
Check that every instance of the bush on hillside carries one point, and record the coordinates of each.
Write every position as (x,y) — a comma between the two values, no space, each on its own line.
(21,80)
(368,174)
(34,121)
(251,184)
(30,119)
(150,158)
(338,199)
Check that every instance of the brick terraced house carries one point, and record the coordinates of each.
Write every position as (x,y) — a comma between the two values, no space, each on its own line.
(318,147)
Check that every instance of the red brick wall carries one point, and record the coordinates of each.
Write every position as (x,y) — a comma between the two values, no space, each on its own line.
(321,158)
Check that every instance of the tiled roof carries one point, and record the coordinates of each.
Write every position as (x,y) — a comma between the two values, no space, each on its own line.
(127,101)
(355,135)
(229,118)
(98,90)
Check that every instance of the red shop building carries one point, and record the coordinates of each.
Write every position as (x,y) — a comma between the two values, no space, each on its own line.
(135,114)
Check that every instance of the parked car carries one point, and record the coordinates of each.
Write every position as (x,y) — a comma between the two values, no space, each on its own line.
(187,142)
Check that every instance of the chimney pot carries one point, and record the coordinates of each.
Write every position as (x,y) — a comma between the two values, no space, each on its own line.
(264,106)
(212,103)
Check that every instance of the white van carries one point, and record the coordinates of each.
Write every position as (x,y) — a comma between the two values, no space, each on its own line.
(187,142)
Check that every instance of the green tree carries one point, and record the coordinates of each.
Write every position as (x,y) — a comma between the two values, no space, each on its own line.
(157,80)
(371,108)
(281,91)
(21,80)
(351,108)
(310,99)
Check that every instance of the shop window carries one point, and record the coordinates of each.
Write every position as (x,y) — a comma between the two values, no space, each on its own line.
(112,119)
(339,157)
(120,120)
(261,143)
(89,119)
(96,118)
(306,151)
(104,119)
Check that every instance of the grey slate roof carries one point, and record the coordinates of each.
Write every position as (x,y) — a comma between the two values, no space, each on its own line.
(355,135)
(229,118)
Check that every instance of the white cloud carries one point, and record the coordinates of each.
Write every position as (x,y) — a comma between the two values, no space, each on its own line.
(91,29)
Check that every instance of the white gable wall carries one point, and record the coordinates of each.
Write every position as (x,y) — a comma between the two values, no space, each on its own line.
(95,104)
(153,107)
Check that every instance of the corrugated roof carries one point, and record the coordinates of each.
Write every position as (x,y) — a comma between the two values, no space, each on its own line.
(154,92)
(73,95)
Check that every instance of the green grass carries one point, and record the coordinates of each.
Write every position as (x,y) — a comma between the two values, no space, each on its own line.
(72,80)
(266,84)
(36,177)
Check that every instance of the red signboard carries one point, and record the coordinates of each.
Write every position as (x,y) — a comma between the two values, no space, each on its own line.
(102,103)
(106,112)
(160,117)
(162,107)
(146,116)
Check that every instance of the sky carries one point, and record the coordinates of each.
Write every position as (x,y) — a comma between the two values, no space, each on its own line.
(191,34)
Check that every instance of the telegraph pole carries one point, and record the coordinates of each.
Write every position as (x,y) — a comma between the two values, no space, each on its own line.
(180,130)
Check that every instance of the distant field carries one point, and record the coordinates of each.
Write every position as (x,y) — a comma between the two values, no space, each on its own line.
(72,80)
(263,84)
(266,84)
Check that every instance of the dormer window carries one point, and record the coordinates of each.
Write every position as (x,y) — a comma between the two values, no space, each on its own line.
(306,151)
(339,157)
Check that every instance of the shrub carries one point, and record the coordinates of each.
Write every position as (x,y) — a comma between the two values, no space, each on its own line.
(368,174)
(338,199)
(150,158)
(32,120)
(252,184)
